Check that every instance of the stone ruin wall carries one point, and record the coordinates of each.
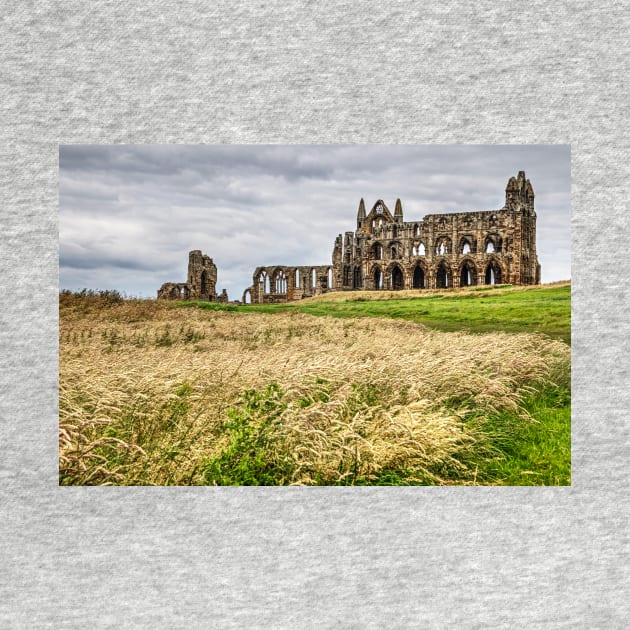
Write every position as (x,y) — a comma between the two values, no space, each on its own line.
(276,284)
(440,251)
(201,282)
(387,253)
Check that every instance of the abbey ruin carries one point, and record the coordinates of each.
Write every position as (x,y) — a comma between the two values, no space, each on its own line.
(201,283)
(385,252)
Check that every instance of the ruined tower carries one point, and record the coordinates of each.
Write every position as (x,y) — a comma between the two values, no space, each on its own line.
(200,284)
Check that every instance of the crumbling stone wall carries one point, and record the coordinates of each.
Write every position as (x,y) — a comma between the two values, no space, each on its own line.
(439,251)
(385,252)
(201,282)
(282,283)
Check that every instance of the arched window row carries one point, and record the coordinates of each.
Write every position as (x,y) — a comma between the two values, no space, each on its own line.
(442,247)
(443,276)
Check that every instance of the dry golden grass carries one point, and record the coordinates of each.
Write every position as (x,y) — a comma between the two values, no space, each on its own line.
(349,296)
(147,392)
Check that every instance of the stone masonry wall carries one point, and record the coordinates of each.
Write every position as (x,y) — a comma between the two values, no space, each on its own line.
(387,253)
(439,251)
(200,285)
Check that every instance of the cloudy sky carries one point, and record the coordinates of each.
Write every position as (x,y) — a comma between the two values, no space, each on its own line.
(129,214)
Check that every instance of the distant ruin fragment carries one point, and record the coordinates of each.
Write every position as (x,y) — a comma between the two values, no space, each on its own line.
(200,285)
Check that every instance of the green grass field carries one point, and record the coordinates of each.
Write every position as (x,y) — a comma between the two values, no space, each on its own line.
(545,310)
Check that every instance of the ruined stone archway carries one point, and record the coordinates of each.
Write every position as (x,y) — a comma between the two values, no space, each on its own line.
(443,246)
(443,276)
(467,274)
(395,250)
(397,278)
(263,282)
(418,249)
(280,282)
(493,244)
(377,277)
(494,274)
(466,245)
(419,281)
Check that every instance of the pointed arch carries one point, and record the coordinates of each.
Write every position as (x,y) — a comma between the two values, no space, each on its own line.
(467,273)
(377,277)
(443,276)
(418,249)
(494,274)
(397,278)
(395,250)
(465,245)
(419,276)
(263,281)
(492,244)
(443,246)
(280,281)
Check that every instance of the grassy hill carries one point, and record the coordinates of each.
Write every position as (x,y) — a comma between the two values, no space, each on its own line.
(541,309)
(346,389)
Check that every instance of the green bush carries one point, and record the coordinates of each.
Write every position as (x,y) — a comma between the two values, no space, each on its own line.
(254,456)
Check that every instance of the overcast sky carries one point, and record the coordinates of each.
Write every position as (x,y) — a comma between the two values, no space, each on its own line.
(129,214)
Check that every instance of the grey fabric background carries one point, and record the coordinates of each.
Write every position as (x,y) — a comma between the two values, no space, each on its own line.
(326,72)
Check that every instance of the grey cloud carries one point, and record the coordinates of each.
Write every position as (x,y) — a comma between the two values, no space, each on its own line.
(142,208)
(72,258)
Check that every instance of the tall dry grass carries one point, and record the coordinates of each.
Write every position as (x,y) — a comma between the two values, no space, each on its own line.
(478,290)
(151,394)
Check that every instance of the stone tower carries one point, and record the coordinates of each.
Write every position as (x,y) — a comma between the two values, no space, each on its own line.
(201,283)
(202,276)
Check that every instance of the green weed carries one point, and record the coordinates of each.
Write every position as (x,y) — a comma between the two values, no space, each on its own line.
(253,454)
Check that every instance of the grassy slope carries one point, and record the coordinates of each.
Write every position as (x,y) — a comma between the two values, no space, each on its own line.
(538,310)
(545,310)
(527,454)
(159,336)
